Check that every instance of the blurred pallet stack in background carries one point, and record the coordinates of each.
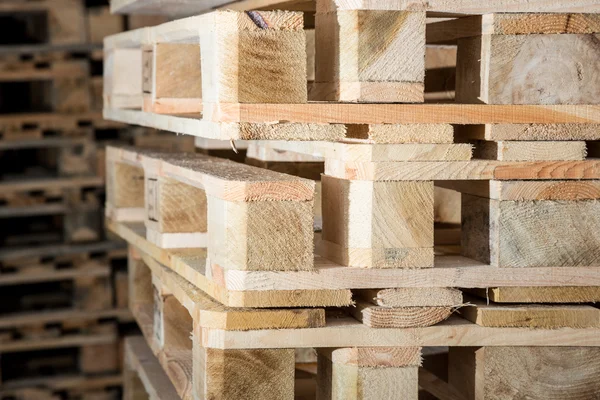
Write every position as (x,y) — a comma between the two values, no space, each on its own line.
(63,279)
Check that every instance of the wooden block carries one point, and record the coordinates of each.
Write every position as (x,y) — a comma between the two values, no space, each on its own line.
(376,224)
(176,86)
(412,297)
(123,72)
(528,132)
(398,317)
(102,23)
(124,190)
(176,214)
(520,234)
(254,57)
(559,69)
(400,133)
(368,373)
(579,294)
(530,151)
(525,372)
(243,374)
(357,53)
(531,315)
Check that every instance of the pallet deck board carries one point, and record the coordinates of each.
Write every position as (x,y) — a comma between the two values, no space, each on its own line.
(347,332)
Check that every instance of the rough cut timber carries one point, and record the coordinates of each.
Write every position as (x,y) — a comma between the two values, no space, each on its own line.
(256,219)
(530,315)
(539,294)
(358,53)
(525,372)
(530,151)
(397,133)
(368,373)
(521,234)
(412,297)
(528,69)
(378,224)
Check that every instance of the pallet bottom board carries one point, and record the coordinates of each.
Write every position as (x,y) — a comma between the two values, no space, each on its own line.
(347,332)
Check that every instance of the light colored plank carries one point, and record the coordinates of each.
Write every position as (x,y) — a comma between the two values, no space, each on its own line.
(530,151)
(526,372)
(522,234)
(412,297)
(398,317)
(527,190)
(397,133)
(347,332)
(463,170)
(531,315)
(539,294)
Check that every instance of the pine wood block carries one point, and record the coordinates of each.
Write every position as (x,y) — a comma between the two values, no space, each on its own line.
(528,69)
(176,79)
(358,53)
(531,315)
(578,294)
(530,151)
(368,373)
(254,57)
(399,317)
(124,190)
(521,234)
(525,372)
(260,235)
(378,224)
(123,72)
(412,297)
(176,213)
(243,374)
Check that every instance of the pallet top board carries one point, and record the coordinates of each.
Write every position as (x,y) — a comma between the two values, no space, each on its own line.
(189,7)
(337,113)
(348,332)
(219,177)
(449,271)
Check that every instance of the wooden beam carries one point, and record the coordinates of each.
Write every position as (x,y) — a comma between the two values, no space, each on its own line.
(375,225)
(530,151)
(534,372)
(496,231)
(368,373)
(412,297)
(398,317)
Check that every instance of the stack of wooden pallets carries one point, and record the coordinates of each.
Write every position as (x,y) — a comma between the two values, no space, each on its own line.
(384,211)
(63,282)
